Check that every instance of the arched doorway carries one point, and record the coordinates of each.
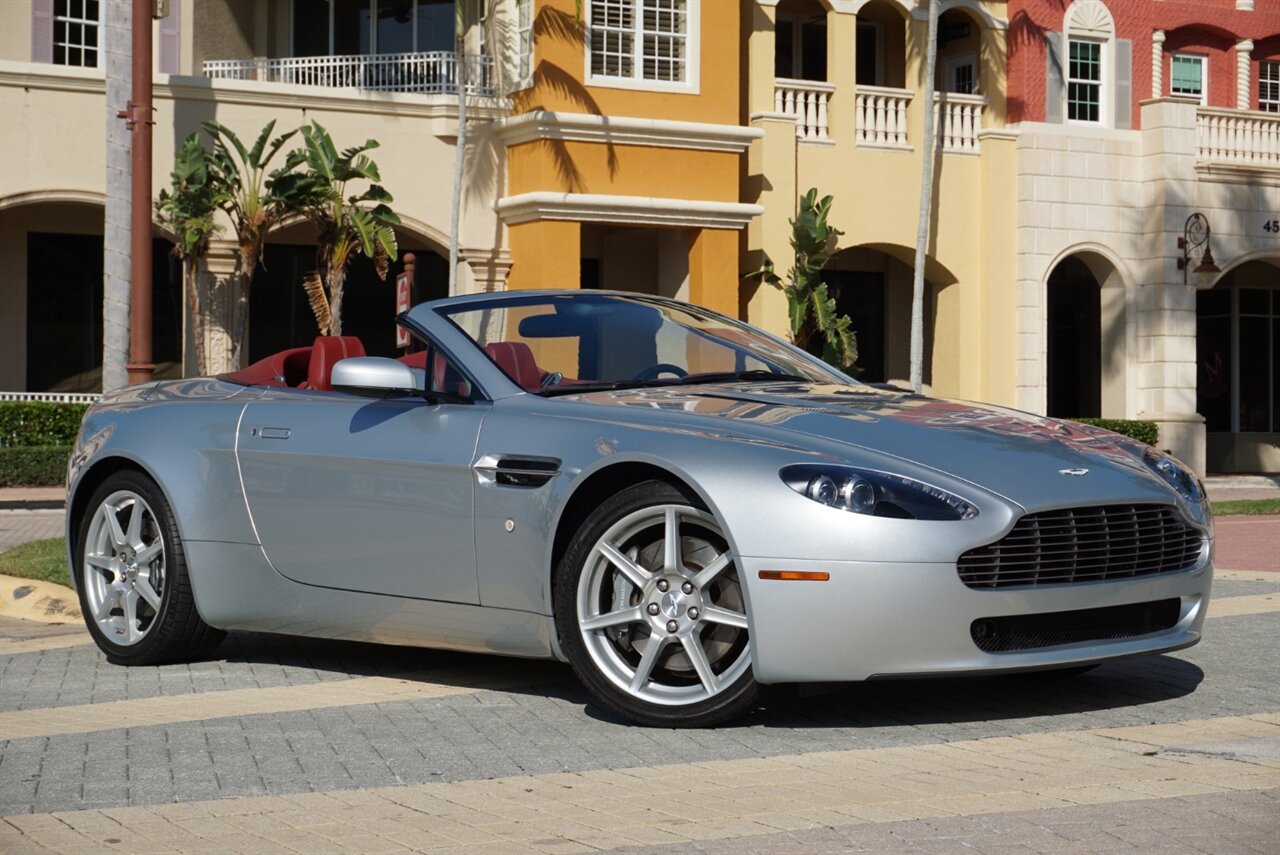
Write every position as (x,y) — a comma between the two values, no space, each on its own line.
(1075,341)
(280,316)
(873,286)
(1238,368)
(1087,339)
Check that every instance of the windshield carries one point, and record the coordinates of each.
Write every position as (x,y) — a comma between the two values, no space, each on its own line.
(584,342)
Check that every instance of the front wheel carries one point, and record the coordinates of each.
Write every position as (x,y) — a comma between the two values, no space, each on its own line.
(650,611)
(131,573)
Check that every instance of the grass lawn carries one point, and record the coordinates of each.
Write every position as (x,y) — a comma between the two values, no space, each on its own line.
(1251,507)
(40,559)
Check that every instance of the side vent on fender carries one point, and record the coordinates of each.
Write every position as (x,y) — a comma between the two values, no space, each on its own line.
(518,471)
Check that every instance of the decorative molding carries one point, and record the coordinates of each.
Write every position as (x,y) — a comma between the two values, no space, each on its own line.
(53,197)
(625,130)
(999,134)
(1090,18)
(1157,63)
(632,210)
(1244,78)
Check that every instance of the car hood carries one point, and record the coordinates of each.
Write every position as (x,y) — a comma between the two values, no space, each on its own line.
(1036,462)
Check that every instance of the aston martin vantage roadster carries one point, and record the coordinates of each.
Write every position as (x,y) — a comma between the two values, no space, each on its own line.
(679,505)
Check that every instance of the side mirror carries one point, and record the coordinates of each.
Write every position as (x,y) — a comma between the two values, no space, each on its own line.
(373,374)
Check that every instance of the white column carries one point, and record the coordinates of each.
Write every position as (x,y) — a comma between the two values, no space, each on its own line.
(1244,89)
(1157,64)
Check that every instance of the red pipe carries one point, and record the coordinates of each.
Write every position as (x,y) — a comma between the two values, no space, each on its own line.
(140,368)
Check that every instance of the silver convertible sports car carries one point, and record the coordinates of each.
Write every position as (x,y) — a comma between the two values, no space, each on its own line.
(677,504)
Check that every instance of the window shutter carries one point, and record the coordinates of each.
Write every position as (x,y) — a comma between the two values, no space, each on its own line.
(1124,83)
(170,43)
(42,30)
(1053,77)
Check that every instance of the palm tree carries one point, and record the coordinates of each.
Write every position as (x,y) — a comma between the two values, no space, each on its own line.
(926,206)
(347,224)
(811,310)
(250,198)
(188,212)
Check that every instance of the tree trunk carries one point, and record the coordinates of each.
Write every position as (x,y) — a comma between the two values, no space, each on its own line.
(337,279)
(926,206)
(460,153)
(240,318)
(117,17)
(191,273)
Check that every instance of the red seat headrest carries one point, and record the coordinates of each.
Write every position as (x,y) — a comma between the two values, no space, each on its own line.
(516,360)
(325,353)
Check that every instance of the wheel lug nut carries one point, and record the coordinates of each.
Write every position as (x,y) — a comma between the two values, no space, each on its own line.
(663,585)
(653,608)
(687,587)
(693,613)
(672,626)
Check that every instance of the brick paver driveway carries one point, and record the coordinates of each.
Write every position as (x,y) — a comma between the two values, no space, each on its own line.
(284,745)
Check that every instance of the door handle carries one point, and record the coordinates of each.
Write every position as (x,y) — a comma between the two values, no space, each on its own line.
(272,433)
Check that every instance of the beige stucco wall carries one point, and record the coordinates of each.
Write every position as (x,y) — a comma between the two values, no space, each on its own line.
(62,156)
(15,30)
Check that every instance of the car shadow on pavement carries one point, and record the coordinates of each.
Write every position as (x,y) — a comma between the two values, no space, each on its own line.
(881,703)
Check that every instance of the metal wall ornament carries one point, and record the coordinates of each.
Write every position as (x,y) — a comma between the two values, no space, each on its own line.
(1194,244)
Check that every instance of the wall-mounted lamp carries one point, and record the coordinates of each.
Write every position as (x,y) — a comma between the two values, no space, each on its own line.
(1194,244)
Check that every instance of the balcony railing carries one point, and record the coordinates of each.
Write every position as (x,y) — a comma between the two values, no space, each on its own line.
(882,116)
(434,72)
(958,119)
(807,101)
(1241,138)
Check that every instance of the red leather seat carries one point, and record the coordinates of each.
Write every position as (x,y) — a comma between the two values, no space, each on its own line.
(516,360)
(325,353)
(444,377)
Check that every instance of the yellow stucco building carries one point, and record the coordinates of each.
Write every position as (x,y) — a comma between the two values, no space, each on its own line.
(624,149)
(836,89)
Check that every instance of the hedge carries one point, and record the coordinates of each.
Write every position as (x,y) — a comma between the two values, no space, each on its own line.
(39,423)
(1142,431)
(34,466)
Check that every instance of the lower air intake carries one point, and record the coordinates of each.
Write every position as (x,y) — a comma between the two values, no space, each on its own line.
(1032,632)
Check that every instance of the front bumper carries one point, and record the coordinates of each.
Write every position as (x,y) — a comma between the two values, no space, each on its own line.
(891,619)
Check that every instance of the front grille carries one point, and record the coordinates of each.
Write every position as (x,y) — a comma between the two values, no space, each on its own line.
(1092,544)
(1031,632)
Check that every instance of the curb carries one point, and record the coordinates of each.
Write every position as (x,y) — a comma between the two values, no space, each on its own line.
(33,505)
(33,599)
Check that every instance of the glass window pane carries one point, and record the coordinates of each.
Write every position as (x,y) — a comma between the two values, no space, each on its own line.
(352,34)
(1254,301)
(1187,75)
(1255,374)
(783,55)
(1213,372)
(813,50)
(1214,302)
(395,26)
(435,25)
(311,28)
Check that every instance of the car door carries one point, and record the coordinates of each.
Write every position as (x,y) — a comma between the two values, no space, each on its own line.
(364,494)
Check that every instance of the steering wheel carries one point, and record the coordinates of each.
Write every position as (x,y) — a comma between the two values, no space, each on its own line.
(652,372)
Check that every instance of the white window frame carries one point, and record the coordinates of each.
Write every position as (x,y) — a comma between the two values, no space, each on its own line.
(1269,105)
(1203,60)
(1103,82)
(691,85)
(84,24)
(524,43)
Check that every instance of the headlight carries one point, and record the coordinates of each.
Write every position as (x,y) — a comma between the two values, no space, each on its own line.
(1173,473)
(878,494)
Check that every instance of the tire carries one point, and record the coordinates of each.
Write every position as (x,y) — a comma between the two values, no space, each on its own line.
(658,636)
(131,574)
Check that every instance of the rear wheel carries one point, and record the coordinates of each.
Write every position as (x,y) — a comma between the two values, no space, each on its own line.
(131,572)
(650,610)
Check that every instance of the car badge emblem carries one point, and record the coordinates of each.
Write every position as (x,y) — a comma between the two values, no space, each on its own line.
(1076,472)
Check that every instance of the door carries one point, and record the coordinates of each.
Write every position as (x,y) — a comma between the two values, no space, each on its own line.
(364,495)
